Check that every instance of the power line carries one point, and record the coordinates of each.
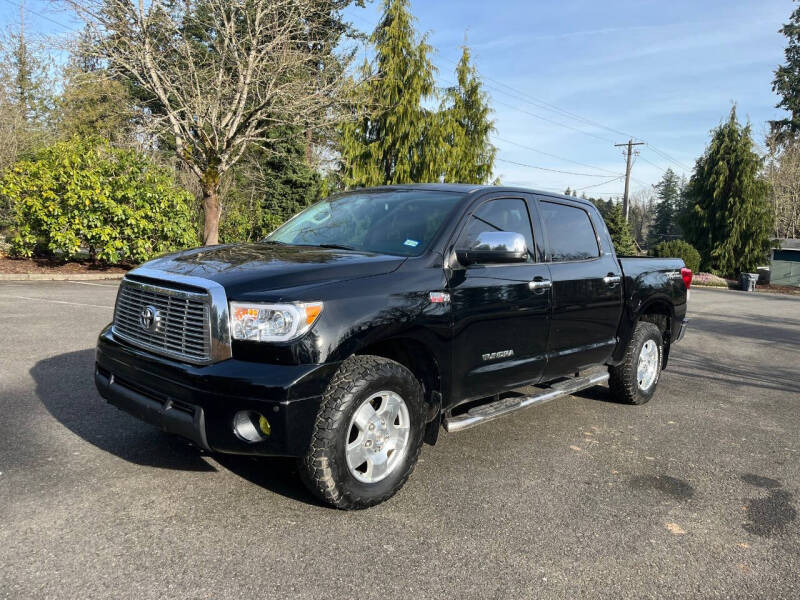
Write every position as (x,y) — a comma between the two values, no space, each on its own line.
(556,156)
(519,164)
(666,156)
(537,116)
(588,187)
(538,102)
(40,15)
(527,112)
(524,97)
(650,162)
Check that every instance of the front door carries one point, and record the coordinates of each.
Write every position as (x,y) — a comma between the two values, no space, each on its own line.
(501,317)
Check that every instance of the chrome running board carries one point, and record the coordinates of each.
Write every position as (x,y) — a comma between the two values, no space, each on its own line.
(493,410)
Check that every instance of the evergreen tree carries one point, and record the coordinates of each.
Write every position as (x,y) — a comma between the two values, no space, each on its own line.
(683,203)
(268,189)
(665,225)
(469,155)
(603,206)
(620,231)
(392,138)
(29,86)
(25,97)
(787,82)
(729,219)
(93,103)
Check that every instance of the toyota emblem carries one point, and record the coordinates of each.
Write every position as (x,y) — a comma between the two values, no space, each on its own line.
(149,318)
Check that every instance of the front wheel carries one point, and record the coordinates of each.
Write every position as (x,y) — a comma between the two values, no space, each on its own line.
(367,435)
(634,380)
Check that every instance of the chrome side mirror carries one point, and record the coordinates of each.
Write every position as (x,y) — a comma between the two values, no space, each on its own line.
(494,247)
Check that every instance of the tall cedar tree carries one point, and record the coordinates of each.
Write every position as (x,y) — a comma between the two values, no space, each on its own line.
(391,141)
(620,231)
(665,226)
(787,82)
(469,154)
(729,219)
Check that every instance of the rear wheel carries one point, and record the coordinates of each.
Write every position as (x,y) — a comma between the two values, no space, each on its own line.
(367,435)
(634,380)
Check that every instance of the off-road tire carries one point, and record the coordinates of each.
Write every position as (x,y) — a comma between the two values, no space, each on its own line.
(622,382)
(324,467)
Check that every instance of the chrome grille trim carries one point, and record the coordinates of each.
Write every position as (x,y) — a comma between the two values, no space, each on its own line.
(196,326)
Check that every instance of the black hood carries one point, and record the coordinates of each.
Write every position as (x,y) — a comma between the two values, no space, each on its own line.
(245,268)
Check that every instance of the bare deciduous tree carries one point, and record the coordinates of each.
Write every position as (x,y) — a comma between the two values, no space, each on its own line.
(642,211)
(783,174)
(224,74)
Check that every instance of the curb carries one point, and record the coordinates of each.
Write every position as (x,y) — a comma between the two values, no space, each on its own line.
(753,293)
(59,276)
(711,287)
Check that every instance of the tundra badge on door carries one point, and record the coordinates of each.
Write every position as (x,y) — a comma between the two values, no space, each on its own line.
(498,354)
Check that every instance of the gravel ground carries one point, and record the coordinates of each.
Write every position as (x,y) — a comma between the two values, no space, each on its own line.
(693,495)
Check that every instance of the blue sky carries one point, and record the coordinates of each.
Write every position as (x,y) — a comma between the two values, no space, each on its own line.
(663,72)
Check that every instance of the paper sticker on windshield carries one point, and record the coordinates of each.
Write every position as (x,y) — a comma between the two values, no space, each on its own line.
(412,243)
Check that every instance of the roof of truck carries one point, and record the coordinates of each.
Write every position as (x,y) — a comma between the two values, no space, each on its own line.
(468,189)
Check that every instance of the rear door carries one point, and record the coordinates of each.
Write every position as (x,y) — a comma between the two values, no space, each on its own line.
(587,288)
(501,318)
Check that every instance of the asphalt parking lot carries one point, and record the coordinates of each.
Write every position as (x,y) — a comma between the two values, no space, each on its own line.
(693,495)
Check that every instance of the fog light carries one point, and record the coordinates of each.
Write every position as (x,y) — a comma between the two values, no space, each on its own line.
(251,426)
(263,425)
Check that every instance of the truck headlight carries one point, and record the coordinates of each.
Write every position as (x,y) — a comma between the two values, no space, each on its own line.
(272,322)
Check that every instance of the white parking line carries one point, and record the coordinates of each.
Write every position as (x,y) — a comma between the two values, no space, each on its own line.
(56,301)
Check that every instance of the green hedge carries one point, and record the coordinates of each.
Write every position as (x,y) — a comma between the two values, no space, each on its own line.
(678,249)
(84,193)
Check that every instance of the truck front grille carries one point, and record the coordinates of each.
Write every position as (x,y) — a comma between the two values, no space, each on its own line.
(164,320)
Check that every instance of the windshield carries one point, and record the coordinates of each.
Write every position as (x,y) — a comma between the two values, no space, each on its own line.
(400,222)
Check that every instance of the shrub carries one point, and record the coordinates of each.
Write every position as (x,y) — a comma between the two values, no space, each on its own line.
(678,249)
(84,193)
(709,279)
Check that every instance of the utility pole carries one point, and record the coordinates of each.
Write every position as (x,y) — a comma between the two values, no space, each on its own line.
(628,153)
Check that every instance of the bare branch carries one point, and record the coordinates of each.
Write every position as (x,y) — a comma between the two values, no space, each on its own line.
(224,73)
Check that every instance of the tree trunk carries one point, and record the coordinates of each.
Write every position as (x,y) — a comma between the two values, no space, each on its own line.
(211,213)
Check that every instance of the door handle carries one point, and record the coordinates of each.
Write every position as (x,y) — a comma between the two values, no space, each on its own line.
(612,280)
(540,285)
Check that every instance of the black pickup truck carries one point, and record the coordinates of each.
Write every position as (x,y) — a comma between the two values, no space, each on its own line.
(354,332)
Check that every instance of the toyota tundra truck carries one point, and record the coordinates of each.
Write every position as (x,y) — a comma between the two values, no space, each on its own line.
(365,324)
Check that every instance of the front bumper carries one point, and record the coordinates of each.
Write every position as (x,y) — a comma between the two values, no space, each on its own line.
(199,402)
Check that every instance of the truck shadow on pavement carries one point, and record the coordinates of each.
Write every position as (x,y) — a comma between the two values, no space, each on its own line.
(760,331)
(65,386)
(694,365)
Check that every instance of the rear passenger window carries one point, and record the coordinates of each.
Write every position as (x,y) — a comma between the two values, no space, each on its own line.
(570,232)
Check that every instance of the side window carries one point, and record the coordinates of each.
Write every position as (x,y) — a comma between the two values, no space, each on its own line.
(507,214)
(570,232)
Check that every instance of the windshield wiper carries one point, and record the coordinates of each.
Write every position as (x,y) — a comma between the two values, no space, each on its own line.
(335,246)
